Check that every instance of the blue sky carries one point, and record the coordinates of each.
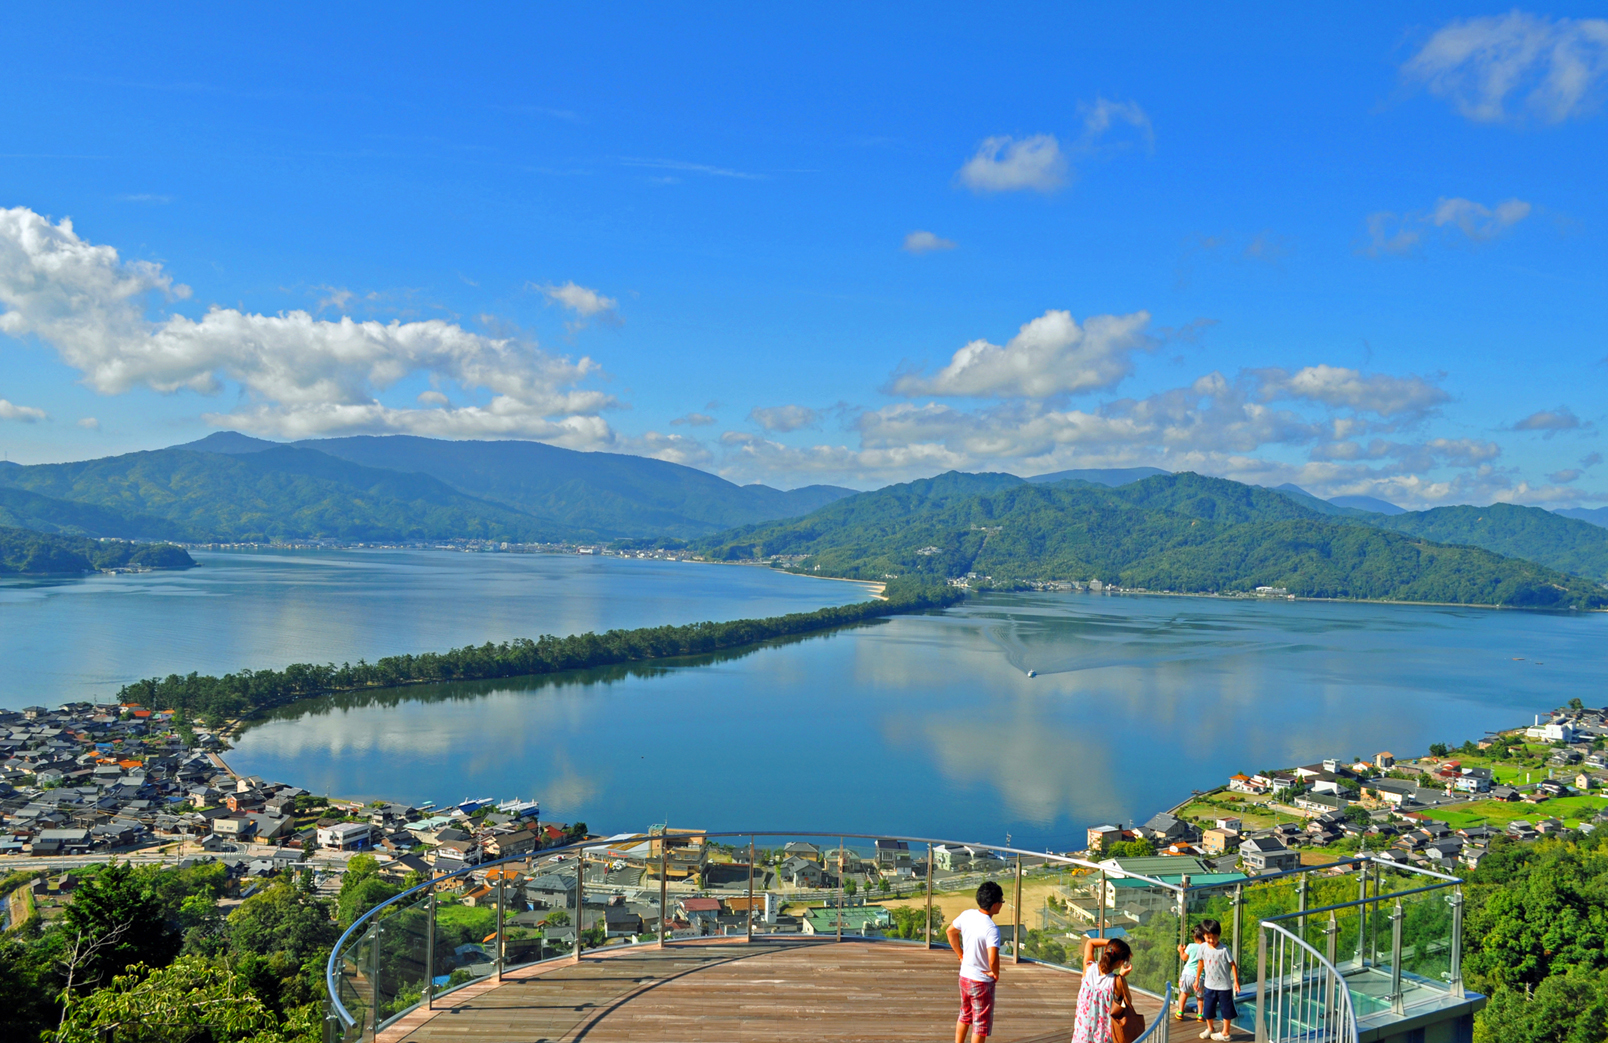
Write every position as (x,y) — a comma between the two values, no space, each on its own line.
(1364,253)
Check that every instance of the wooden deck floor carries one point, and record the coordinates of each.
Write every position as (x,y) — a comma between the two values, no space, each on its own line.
(776,991)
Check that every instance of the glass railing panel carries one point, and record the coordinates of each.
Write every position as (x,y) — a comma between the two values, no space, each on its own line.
(465,942)
(402,938)
(357,984)
(1426,937)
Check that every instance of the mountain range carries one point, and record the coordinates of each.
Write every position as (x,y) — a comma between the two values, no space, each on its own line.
(1175,532)
(230,487)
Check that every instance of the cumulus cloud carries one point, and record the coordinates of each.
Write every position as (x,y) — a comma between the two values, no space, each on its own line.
(781,419)
(299,376)
(1006,164)
(1051,355)
(433,398)
(1550,421)
(26,414)
(583,303)
(1566,476)
(89,423)
(1504,68)
(1337,386)
(693,420)
(1401,234)
(926,242)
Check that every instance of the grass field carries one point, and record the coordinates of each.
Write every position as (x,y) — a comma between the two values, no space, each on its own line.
(1570,810)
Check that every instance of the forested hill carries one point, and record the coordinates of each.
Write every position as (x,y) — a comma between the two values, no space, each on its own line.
(25,552)
(1566,544)
(281,493)
(1180,532)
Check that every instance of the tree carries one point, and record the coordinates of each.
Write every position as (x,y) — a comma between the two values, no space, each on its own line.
(850,887)
(193,999)
(1438,749)
(114,920)
(281,918)
(1139,847)
(1576,704)
(1571,1008)
(361,889)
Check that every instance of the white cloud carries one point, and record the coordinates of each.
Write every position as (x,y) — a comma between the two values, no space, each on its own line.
(1501,68)
(673,448)
(1550,421)
(434,398)
(584,303)
(785,418)
(1099,117)
(693,420)
(1050,355)
(1401,234)
(1004,164)
(1339,387)
(26,414)
(1477,222)
(926,242)
(89,423)
(299,375)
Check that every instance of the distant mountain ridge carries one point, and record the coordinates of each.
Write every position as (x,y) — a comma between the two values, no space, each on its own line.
(1113,476)
(1594,515)
(233,487)
(1180,532)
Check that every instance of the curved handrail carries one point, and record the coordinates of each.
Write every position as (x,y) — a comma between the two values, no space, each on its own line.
(330,967)
(1161,1019)
(1343,1018)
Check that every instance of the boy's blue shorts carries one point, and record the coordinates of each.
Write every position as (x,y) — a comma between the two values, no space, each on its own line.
(1218,1003)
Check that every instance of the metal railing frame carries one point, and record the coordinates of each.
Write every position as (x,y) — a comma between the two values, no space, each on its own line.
(341,1020)
(1320,986)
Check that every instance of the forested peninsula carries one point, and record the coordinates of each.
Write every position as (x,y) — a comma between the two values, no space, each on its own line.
(25,552)
(215,699)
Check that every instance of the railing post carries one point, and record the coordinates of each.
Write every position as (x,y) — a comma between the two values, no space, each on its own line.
(1016,916)
(374,1014)
(1102,922)
(1456,900)
(1183,923)
(1333,931)
(1239,916)
(1362,915)
(502,886)
(927,930)
(664,884)
(843,880)
(750,889)
(580,899)
(1261,985)
(1163,1030)
(429,947)
(1301,905)
(1396,917)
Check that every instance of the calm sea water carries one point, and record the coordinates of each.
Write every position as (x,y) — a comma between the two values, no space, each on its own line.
(83,638)
(926,725)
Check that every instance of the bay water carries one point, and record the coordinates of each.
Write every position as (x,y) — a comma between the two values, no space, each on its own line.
(919,725)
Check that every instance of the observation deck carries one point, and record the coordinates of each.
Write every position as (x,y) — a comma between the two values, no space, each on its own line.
(690,935)
(786,991)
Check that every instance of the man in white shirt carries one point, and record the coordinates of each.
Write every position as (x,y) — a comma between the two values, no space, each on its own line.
(975,938)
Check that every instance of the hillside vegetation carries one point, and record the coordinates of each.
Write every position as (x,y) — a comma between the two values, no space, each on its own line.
(22,509)
(1566,544)
(281,493)
(25,552)
(1183,532)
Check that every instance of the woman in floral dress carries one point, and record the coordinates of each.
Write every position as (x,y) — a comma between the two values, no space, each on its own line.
(1097,995)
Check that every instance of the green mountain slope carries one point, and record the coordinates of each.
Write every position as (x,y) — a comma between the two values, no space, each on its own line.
(279,493)
(1565,544)
(1178,532)
(607,493)
(1594,515)
(22,509)
(23,551)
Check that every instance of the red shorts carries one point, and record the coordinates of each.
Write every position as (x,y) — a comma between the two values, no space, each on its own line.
(977,1006)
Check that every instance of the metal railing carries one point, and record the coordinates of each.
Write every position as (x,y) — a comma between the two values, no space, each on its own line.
(422,944)
(1300,996)
(386,965)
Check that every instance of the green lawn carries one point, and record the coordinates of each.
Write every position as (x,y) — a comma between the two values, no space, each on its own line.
(1570,810)
(1255,816)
